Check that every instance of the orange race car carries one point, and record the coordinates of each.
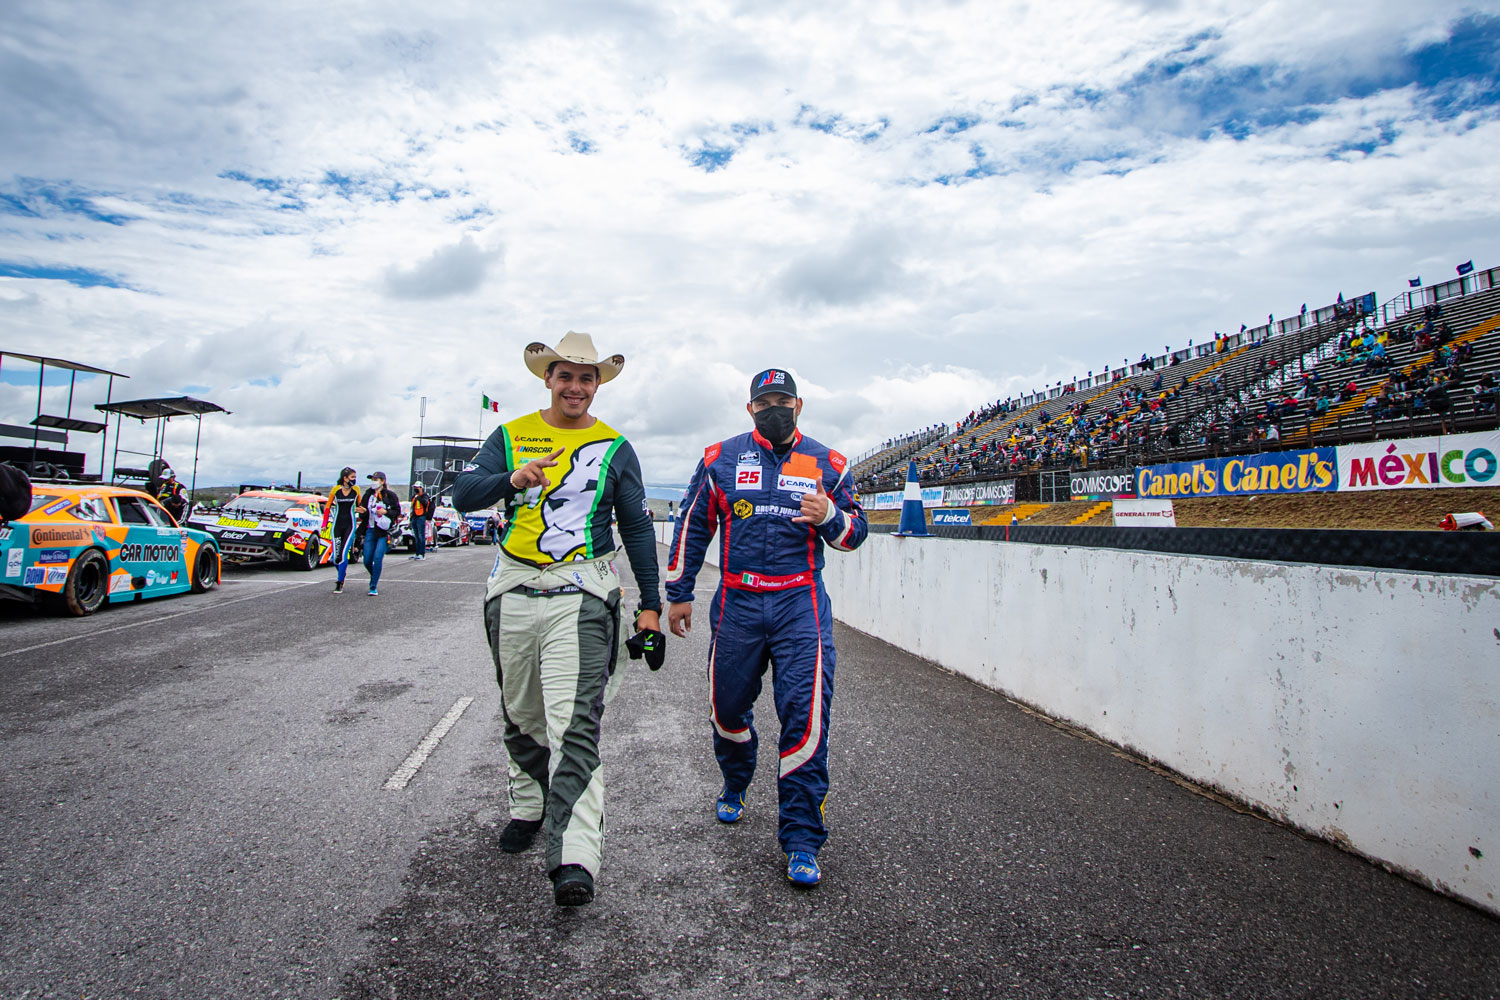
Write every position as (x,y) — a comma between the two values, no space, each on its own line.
(83,545)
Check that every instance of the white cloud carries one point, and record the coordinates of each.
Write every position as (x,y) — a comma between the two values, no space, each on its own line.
(459,269)
(320,220)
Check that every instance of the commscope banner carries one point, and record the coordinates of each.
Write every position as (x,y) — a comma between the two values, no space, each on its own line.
(1450,460)
(1311,470)
(1107,484)
(981,494)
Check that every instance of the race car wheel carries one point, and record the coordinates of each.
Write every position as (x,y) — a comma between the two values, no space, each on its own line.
(206,569)
(88,583)
(310,555)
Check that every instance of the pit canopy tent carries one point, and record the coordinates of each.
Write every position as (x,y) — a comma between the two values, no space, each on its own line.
(161,410)
(60,426)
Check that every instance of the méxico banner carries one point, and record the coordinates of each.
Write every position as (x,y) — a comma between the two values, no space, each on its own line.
(1310,470)
(1421,463)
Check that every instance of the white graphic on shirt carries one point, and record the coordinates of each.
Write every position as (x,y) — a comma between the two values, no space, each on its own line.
(565,510)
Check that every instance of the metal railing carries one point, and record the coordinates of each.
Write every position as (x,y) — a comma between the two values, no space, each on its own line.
(1414,299)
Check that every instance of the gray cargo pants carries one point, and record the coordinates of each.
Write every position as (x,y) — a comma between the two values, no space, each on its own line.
(555,660)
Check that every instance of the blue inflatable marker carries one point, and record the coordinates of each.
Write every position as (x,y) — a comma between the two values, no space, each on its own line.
(913,522)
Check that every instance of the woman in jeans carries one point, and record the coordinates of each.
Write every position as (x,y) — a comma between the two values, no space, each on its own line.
(380,509)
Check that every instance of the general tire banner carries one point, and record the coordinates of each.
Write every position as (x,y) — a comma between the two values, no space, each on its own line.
(1448,461)
(1313,470)
(1144,514)
(1102,484)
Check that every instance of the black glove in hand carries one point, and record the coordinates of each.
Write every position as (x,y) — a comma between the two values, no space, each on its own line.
(648,643)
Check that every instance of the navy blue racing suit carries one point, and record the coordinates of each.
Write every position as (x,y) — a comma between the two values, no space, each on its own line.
(770,608)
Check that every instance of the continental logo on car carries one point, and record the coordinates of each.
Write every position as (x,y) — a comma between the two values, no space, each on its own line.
(743,508)
(49,534)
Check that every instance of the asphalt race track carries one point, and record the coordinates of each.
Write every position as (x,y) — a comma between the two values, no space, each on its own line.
(195,806)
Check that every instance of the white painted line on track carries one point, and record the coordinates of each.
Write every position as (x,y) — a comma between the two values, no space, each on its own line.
(468,583)
(414,760)
(153,621)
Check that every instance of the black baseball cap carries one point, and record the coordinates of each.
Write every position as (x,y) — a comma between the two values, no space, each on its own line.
(376,475)
(773,380)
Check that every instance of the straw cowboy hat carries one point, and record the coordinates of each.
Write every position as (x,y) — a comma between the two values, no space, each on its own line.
(577,348)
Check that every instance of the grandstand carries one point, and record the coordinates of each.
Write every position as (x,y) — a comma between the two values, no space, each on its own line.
(1426,362)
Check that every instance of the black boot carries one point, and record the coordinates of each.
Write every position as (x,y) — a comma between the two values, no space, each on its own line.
(572,885)
(518,835)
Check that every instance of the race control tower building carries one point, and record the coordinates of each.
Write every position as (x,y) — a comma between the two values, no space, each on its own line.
(437,459)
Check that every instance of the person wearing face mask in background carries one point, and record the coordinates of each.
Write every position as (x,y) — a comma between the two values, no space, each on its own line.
(343,499)
(380,509)
(779,497)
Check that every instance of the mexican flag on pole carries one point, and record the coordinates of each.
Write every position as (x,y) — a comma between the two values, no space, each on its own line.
(493,405)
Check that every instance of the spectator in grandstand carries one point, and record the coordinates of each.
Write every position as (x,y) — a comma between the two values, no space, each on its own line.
(1485,395)
(1439,403)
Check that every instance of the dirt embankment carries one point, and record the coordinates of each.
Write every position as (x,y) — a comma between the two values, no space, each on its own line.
(1404,510)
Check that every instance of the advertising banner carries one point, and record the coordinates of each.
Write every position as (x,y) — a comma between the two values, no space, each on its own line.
(1426,463)
(880,501)
(1103,484)
(932,496)
(1144,514)
(981,494)
(1311,470)
(951,515)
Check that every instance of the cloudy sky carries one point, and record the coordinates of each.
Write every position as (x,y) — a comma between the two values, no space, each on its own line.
(316,214)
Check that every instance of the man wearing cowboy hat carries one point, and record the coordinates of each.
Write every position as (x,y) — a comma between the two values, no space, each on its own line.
(552,603)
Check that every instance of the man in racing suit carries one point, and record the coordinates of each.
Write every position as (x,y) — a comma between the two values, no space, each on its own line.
(552,602)
(777,498)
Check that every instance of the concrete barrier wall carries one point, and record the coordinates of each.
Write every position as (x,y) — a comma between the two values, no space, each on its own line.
(1362,706)
(664,531)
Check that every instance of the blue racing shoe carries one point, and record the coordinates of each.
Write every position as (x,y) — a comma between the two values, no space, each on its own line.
(802,869)
(731,806)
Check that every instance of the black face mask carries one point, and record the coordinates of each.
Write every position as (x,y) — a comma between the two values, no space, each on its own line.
(776,423)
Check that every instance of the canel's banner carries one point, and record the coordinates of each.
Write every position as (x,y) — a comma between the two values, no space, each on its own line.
(1421,463)
(1312,470)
